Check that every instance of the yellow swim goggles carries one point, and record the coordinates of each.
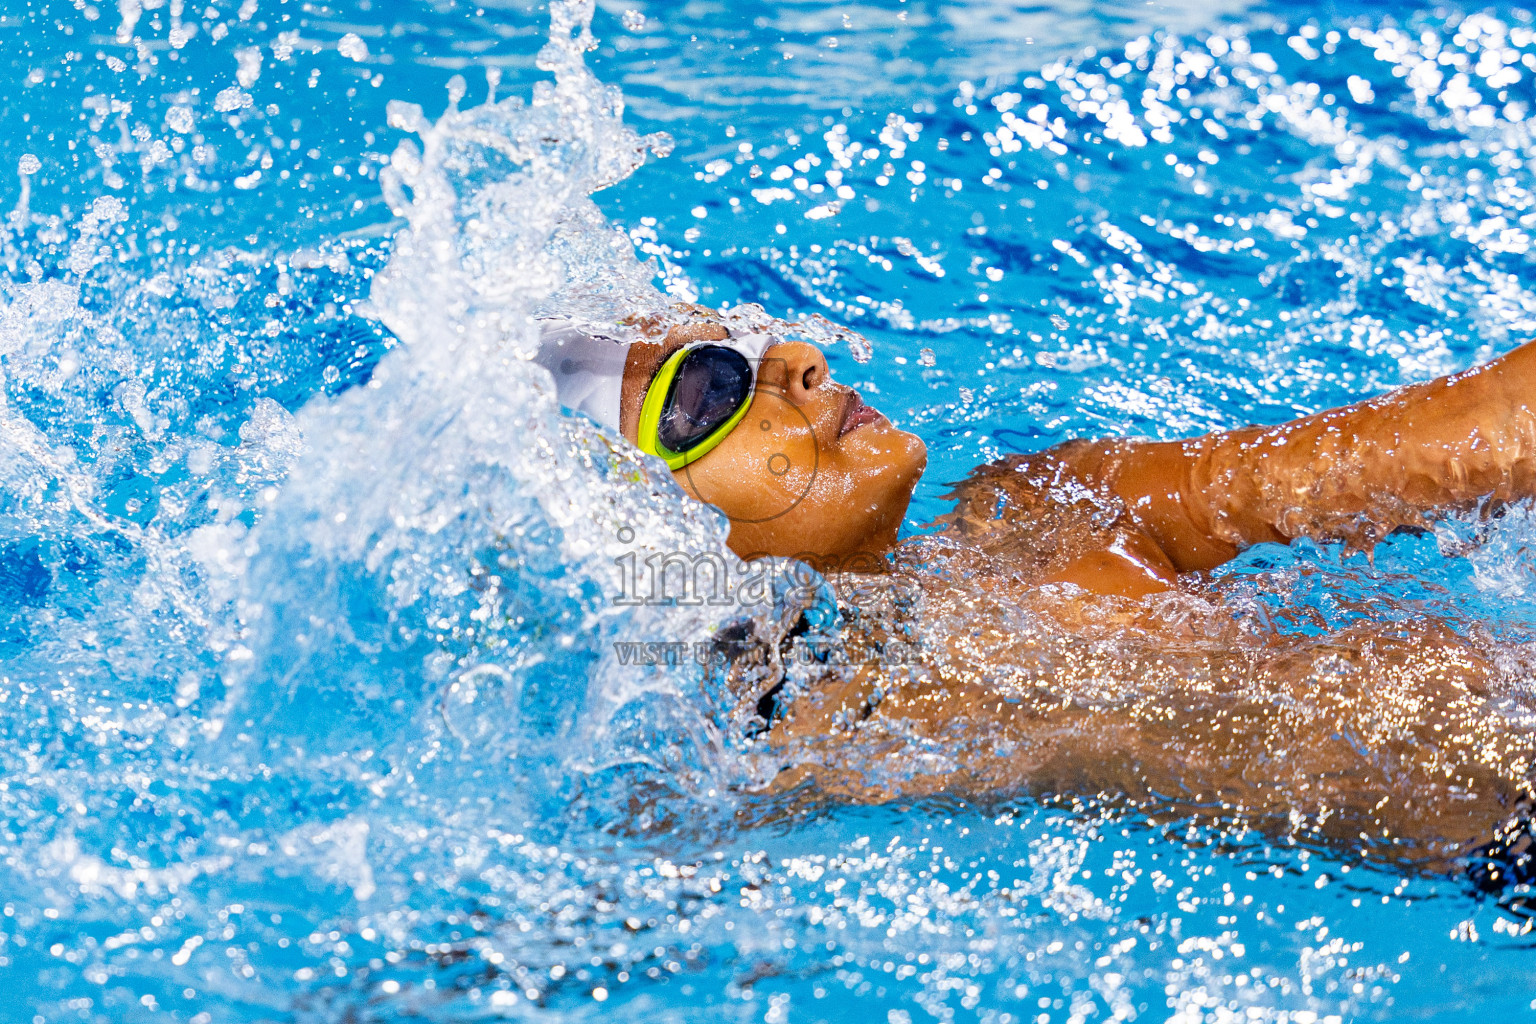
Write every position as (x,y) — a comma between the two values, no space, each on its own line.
(695,400)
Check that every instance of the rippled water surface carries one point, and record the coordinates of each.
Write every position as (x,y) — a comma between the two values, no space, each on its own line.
(308,703)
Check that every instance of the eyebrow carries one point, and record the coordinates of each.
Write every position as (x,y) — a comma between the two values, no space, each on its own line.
(648,373)
(666,352)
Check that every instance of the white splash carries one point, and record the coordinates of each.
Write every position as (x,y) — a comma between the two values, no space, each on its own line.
(448,528)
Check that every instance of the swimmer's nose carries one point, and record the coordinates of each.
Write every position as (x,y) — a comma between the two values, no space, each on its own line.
(795,367)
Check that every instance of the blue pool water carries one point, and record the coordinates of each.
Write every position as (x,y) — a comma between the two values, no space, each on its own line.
(307,707)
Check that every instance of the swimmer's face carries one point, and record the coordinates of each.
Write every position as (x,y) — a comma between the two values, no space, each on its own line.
(810,472)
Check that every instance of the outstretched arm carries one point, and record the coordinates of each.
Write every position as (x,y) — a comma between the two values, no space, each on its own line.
(1396,742)
(1353,474)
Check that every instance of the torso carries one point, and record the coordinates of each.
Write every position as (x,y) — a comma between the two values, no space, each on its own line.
(1173,702)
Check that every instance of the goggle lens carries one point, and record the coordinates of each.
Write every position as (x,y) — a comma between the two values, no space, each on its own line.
(711,384)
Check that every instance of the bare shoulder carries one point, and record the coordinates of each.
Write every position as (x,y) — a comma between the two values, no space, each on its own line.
(1053,517)
(1067,474)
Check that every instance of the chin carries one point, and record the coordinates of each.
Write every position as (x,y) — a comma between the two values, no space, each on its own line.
(875,535)
(908,458)
(826,537)
(824,530)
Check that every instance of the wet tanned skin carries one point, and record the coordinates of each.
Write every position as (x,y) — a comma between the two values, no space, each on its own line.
(1370,738)
(1396,738)
(837,498)
(1353,474)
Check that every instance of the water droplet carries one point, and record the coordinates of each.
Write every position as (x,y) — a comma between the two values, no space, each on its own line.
(29,164)
(352,47)
(633,20)
(406,117)
(925,357)
(107,210)
(179,119)
(249,60)
(231,99)
(660,143)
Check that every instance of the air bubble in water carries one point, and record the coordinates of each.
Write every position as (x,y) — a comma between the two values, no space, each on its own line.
(179,119)
(29,164)
(352,47)
(925,357)
(633,20)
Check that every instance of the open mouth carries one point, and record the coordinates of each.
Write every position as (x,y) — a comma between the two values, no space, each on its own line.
(856,414)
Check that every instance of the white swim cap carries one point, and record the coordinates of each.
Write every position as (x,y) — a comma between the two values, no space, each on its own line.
(588,365)
(588,368)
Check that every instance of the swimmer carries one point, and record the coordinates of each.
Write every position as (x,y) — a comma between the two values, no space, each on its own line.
(1073,644)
